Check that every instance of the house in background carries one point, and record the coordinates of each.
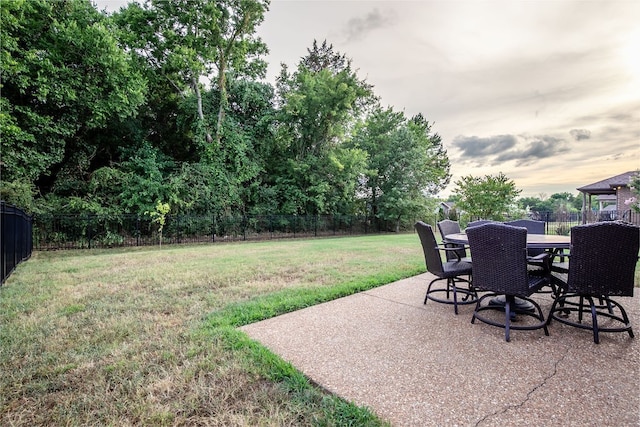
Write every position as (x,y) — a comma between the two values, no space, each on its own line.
(445,207)
(611,192)
(607,201)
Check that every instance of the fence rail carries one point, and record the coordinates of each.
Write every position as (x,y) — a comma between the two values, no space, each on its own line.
(94,231)
(16,242)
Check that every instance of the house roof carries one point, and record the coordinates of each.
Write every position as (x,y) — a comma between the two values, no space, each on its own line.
(609,185)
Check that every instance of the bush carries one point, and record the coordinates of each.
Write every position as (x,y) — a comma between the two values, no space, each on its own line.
(563,229)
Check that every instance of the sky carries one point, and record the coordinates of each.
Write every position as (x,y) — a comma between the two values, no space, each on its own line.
(546,92)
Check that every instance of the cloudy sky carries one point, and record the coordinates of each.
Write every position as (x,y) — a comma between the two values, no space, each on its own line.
(547,92)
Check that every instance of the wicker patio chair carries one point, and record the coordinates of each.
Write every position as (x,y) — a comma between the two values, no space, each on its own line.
(451,271)
(538,263)
(450,227)
(499,254)
(602,262)
(479,222)
(533,227)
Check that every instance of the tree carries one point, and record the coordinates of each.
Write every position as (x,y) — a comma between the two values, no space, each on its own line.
(159,216)
(536,204)
(185,40)
(318,103)
(406,162)
(487,197)
(64,79)
(562,202)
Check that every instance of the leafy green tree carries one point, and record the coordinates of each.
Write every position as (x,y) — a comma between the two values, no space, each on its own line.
(182,45)
(64,79)
(159,216)
(488,197)
(313,173)
(566,201)
(536,204)
(187,41)
(406,162)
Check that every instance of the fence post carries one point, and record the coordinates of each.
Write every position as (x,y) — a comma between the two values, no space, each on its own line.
(243,224)
(271,226)
(89,230)
(213,228)
(546,222)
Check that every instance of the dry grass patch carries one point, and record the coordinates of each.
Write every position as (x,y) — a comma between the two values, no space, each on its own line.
(147,336)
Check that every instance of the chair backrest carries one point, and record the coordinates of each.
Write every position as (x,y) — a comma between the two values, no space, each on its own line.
(479,223)
(533,227)
(450,227)
(429,247)
(499,255)
(603,258)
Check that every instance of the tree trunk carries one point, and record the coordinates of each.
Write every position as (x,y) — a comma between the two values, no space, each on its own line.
(196,89)
(223,99)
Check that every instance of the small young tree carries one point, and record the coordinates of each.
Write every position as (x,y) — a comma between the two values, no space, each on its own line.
(487,197)
(159,216)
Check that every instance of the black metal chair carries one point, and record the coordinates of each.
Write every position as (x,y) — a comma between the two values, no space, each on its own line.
(451,271)
(499,255)
(448,226)
(602,262)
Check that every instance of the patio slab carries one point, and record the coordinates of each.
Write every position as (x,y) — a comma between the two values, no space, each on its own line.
(421,365)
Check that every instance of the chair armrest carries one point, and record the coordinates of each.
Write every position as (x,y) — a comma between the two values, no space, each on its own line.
(543,260)
(446,249)
(562,266)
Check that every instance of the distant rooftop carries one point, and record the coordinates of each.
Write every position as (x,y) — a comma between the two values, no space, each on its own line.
(609,185)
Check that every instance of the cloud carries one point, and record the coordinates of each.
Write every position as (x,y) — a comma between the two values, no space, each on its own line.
(473,147)
(580,134)
(524,150)
(540,147)
(358,28)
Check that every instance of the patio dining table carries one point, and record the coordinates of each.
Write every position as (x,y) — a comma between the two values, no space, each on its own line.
(551,242)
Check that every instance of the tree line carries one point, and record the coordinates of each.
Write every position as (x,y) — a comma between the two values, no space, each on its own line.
(166,102)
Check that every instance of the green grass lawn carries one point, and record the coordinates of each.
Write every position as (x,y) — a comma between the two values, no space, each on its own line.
(147,336)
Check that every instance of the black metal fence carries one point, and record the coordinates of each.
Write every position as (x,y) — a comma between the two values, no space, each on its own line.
(16,242)
(94,231)
(561,222)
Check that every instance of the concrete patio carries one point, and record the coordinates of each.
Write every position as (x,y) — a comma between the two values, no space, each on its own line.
(421,365)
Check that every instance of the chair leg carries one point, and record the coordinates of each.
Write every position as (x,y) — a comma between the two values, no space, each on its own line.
(594,320)
(609,306)
(507,319)
(455,295)
(426,297)
(553,307)
(581,308)
(625,317)
(598,307)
